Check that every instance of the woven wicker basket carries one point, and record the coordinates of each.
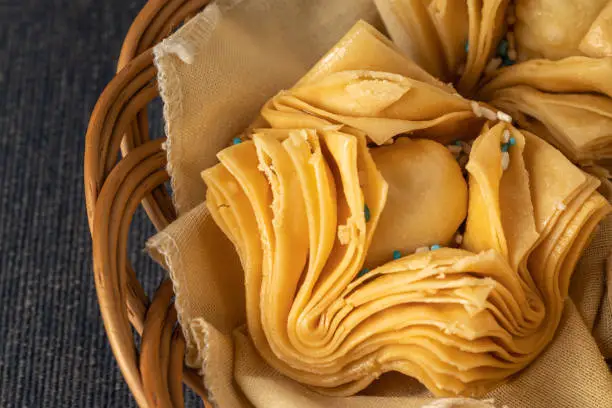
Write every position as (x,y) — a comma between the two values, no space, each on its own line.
(114,189)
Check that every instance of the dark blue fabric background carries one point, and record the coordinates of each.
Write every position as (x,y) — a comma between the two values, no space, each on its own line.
(55,58)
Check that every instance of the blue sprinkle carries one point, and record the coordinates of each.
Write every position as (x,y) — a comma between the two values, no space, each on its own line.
(504,147)
(236,140)
(502,49)
(435,246)
(457,142)
(397,254)
(467,46)
(512,141)
(363,272)
(366,212)
(507,62)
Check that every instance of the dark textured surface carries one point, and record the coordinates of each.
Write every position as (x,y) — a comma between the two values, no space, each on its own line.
(55,58)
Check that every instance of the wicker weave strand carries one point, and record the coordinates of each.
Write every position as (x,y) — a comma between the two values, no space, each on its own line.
(113,191)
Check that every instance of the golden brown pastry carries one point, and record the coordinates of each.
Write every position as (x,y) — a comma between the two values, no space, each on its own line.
(571,75)
(452,40)
(580,125)
(380,104)
(459,320)
(556,29)
(439,195)
(577,121)
(352,261)
(597,41)
(432,33)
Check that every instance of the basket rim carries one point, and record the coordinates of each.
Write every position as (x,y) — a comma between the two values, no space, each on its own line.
(113,191)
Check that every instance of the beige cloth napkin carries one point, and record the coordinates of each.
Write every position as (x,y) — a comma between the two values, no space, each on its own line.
(214,75)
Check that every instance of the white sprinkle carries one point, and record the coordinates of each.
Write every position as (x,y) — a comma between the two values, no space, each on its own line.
(421,250)
(493,65)
(504,116)
(466,147)
(561,206)
(476,109)
(454,149)
(512,55)
(488,113)
(506,135)
(459,239)
(505,160)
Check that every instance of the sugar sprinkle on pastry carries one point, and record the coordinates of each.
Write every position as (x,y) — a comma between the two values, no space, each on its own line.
(505,160)
(503,116)
(489,114)
(363,272)
(506,136)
